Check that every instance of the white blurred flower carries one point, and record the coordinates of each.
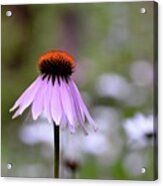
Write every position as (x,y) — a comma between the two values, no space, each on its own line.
(117,87)
(113,85)
(76,146)
(141,73)
(95,144)
(36,132)
(42,132)
(104,145)
(107,119)
(140,130)
(72,145)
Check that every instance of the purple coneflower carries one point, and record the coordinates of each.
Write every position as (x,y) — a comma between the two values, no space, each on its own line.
(55,93)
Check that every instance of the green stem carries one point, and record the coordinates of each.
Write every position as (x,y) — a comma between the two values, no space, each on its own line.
(56,151)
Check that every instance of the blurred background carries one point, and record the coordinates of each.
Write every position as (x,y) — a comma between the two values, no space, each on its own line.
(113,47)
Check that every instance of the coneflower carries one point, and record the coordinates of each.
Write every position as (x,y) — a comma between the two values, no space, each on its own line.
(55,94)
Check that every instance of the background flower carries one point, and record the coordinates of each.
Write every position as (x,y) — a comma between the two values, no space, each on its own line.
(140,130)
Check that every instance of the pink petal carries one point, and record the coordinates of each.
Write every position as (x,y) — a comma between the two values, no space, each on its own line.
(78,98)
(71,128)
(88,116)
(83,108)
(67,103)
(64,121)
(37,106)
(47,100)
(79,111)
(26,93)
(56,106)
(27,98)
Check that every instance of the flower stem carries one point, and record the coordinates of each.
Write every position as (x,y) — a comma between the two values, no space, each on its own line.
(56,150)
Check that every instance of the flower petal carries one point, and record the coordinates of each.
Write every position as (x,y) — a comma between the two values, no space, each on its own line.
(27,98)
(79,112)
(47,100)
(88,116)
(83,108)
(37,106)
(67,103)
(56,106)
(26,93)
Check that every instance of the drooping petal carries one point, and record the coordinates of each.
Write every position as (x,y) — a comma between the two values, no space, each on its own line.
(27,98)
(56,106)
(38,103)
(47,100)
(71,128)
(25,94)
(88,116)
(67,103)
(64,121)
(79,111)
(78,98)
(83,108)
